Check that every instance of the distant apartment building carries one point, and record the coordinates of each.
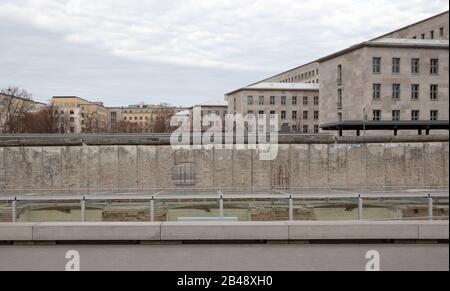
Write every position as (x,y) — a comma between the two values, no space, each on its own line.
(212,115)
(294,105)
(78,115)
(140,117)
(394,82)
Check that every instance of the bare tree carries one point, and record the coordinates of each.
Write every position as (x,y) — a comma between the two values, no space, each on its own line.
(163,114)
(15,104)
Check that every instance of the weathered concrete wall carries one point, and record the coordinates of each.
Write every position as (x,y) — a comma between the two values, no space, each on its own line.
(126,168)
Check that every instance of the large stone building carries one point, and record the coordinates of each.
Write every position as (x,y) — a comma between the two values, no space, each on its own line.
(387,79)
(295,104)
(396,81)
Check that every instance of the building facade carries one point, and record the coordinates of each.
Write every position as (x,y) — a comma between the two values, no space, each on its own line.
(140,118)
(399,77)
(78,115)
(295,105)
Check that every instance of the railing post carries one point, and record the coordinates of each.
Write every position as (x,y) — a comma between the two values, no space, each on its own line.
(430,207)
(83,209)
(14,210)
(360,207)
(152,209)
(291,208)
(221,207)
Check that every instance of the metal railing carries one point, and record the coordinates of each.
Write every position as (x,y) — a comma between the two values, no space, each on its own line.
(221,196)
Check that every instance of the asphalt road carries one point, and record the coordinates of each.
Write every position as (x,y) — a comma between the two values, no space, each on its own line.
(270,257)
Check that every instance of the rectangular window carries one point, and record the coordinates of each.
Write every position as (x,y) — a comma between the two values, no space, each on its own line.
(434,115)
(261,100)
(305,100)
(423,36)
(415,66)
(316,128)
(434,66)
(305,115)
(261,113)
(434,92)
(432,34)
(250,112)
(415,115)
(294,100)
(339,74)
(272,100)
(294,128)
(339,116)
(396,115)
(396,91)
(250,100)
(316,101)
(316,115)
(396,65)
(294,115)
(283,100)
(272,114)
(376,91)
(339,101)
(415,91)
(376,65)
(305,128)
(283,115)
(377,115)
(441,32)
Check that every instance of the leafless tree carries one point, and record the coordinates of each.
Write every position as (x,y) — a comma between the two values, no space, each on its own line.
(15,104)
(163,114)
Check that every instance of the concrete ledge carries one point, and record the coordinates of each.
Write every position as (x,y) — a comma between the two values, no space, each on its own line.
(352,230)
(434,230)
(164,139)
(16,232)
(96,231)
(224,231)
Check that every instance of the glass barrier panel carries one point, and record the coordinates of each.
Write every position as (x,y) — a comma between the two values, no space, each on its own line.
(257,209)
(175,210)
(5,211)
(48,211)
(323,209)
(395,208)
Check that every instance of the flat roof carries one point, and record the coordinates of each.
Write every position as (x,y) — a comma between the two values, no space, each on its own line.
(410,25)
(317,60)
(392,43)
(386,125)
(280,86)
(67,97)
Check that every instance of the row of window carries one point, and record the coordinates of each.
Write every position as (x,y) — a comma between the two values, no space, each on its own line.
(432,34)
(137,118)
(261,100)
(414,90)
(415,115)
(396,66)
(302,76)
(295,128)
(284,114)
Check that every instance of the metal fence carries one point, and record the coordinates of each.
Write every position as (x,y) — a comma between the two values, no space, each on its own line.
(239,204)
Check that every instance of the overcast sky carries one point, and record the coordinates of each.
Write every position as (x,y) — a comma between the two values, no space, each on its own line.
(179,51)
